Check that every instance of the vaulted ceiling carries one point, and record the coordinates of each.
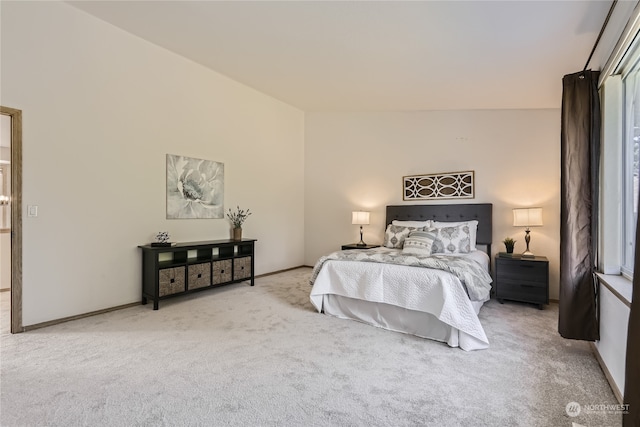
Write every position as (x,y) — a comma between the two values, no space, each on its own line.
(377,55)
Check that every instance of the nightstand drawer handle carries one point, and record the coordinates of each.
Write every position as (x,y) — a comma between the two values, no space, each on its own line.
(528,286)
(527,266)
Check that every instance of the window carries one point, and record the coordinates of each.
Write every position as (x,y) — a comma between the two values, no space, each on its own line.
(620,95)
(629,161)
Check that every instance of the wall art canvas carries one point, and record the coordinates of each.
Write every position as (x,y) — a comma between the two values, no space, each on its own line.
(453,185)
(195,188)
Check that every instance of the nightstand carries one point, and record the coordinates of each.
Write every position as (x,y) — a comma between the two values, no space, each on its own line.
(356,246)
(523,279)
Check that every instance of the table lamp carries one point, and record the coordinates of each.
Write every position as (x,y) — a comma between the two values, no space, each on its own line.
(527,217)
(360,218)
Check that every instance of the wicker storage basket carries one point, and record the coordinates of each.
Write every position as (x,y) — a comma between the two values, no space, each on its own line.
(199,275)
(171,281)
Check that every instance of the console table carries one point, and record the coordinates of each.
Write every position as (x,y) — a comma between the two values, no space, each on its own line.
(169,271)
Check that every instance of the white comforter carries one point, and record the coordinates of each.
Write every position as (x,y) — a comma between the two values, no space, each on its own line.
(436,292)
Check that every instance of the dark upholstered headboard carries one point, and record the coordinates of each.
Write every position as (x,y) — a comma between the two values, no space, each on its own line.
(458,212)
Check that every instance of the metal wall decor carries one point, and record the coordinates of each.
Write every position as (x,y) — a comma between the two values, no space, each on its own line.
(453,185)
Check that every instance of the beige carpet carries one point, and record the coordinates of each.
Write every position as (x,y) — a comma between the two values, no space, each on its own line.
(261,356)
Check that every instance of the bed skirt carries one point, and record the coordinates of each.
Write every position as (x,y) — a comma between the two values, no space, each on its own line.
(398,319)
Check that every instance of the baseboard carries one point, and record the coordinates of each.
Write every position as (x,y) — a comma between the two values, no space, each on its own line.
(76,317)
(607,374)
(280,271)
(120,307)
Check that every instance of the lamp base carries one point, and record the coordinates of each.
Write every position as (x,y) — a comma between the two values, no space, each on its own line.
(361,242)
(527,238)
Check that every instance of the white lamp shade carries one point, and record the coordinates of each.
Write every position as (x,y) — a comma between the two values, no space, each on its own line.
(360,218)
(527,217)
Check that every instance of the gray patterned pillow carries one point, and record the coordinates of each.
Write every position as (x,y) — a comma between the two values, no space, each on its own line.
(395,234)
(419,242)
(473,228)
(452,240)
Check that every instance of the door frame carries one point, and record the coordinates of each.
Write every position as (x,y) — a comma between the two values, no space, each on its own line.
(16,217)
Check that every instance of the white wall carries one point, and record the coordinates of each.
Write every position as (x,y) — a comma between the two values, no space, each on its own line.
(357,161)
(101,109)
(612,347)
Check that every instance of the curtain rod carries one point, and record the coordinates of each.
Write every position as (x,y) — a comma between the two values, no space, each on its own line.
(606,21)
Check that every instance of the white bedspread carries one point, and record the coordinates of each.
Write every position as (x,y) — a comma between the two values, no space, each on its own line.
(426,290)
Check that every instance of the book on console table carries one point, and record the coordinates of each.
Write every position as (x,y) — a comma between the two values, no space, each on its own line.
(162,244)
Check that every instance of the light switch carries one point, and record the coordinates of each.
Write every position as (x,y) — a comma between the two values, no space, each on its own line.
(32,210)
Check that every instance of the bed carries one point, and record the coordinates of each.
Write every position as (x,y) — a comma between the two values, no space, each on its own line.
(437,297)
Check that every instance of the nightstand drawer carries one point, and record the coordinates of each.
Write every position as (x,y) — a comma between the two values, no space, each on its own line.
(535,271)
(523,292)
(526,282)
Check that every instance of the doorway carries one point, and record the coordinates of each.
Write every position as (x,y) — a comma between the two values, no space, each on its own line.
(11,210)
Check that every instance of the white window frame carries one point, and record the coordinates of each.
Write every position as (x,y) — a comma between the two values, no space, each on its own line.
(630,73)
(617,217)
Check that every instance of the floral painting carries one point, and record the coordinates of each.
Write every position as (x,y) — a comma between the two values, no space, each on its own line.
(195,188)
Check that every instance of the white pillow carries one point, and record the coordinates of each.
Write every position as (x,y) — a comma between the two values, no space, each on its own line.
(452,240)
(417,224)
(473,229)
(394,236)
(419,242)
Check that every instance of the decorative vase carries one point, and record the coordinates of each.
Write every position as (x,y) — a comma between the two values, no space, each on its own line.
(237,233)
(509,249)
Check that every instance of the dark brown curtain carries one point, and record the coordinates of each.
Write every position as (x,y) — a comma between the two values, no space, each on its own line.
(632,370)
(580,157)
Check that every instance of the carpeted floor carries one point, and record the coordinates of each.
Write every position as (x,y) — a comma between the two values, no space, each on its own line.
(261,356)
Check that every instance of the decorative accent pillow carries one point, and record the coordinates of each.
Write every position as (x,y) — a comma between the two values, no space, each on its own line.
(473,229)
(452,240)
(417,224)
(395,234)
(419,242)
